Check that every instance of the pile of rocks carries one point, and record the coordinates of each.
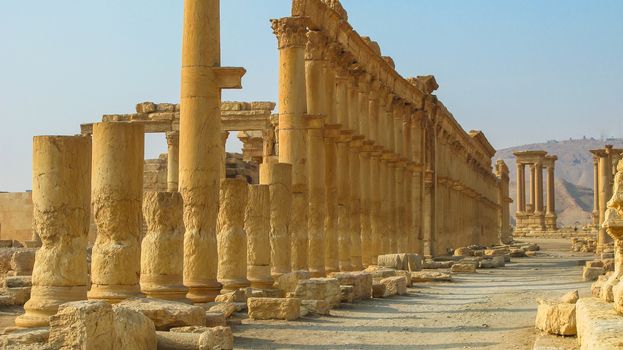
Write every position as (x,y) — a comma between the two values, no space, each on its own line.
(16,264)
(583,245)
(593,269)
(557,316)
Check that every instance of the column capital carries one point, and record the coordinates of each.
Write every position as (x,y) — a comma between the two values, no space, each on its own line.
(173,138)
(316,47)
(290,31)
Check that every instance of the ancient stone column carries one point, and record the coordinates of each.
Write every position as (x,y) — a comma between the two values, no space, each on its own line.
(231,237)
(201,153)
(292,39)
(317,202)
(596,191)
(223,143)
(538,188)
(355,197)
(366,230)
(399,209)
(331,133)
(550,216)
(503,201)
(315,78)
(162,249)
(173,160)
(376,228)
(61,185)
(521,188)
(117,189)
(532,208)
(257,228)
(612,289)
(279,178)
(604,195)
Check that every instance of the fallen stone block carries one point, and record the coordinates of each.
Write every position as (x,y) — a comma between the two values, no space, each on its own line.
(433,276)
(22,262)
(378,290)
(196,338)
(463,251)
(86,324)
(406,275)
(18,282)
(380,272)
(592,273)
(288,281)
(361,282)
(25,339)
(347,294)
(463,268)
(594,263)
(274,308)
(530,253)
(486,264)
(557,316)
(316,307)
(395,285)
(133,330)
(596,287)
(327,289)
(16,295)
(167,314)
(390,260)
(227,309)
(237,296)
(598,325)
(498,261)
(517,253)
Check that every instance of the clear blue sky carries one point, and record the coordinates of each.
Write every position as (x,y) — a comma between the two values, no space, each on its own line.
(522,71)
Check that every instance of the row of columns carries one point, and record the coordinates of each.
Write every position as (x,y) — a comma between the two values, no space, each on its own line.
(533,215)
(604,167)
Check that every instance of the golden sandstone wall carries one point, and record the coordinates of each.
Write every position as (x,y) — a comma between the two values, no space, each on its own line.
(16,216)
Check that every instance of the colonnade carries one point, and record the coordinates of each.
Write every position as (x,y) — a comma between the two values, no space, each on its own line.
(604,167)
(534,216)
(367,163)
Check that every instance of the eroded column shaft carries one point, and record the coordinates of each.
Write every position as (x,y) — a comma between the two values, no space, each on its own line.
(257,228)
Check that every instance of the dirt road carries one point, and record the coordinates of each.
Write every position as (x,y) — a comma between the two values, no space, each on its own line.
(492,309)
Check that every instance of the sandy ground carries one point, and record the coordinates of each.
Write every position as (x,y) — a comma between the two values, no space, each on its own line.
(492,309)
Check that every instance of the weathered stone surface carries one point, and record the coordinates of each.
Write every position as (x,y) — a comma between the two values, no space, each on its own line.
(592,273)
(26,339)
(361,282)
(226,308)
(17,281)
(555,317)
(380,272)
(215,318)
(403,261)
(22,262)
(274,308)
(347,294)
(83,325)
(463,251)
(316,307)
(133,330)
(257,227)
(327,289)
(378,290)
(517,253)
(426,276)
(288,282)
(598,325)
(570,297)
(166,314)
(200,338)
(498,261)
(396,285)
(463,268)
(237,296)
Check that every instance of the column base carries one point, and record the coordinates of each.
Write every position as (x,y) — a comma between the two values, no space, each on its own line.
(260,277)
(166,287)
(44,302)
(114,293)
(232,285)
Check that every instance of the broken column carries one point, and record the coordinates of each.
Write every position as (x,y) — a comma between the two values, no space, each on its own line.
(117,189)
(231,237)
(200,143)
(257,228)
(612,290)
(279,178)
(61,171)
(292,39)
(162,248)
(173,160)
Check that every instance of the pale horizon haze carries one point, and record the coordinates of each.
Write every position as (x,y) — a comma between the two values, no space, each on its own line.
(521,71)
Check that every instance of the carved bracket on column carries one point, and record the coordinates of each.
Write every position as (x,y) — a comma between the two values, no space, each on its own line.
(229,77)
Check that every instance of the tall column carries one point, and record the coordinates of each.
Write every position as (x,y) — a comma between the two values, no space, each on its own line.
(374,176)
(392,162)
(331,192)
(417,130)
(173,160)
(61,185)
(532,209)
(200,143)
(354,173)
(117,190)
(364,169)
(163,246)
(257,228)
(550,216)
(521,187)
(279,178)
(231,237)
(223,153)
(401,235)
(596,191)
(407,153)
(292,39)
(315,77)
(605,168)
(343,171)
(538,188)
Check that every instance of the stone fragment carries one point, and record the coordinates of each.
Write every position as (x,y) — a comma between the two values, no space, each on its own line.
(592,273)
(201,338)
(25,339)
(215,318)
(288,282)
(555,317)
(274,308)
(22,262)
(594,263)
(486,264)
(380,272)
(237,296)
(316,307)
(133,330)
(226,308)
(166,314)
(146,107)
(570,297)
(82,325)
(18,282)
(378,290)
(463,251)
(361,282)
(347,294)
(396,285)
(327,289)
(425,276)
(498,261)
(597,286)
(598,325)
(463,268)
(517,253)
(530,253)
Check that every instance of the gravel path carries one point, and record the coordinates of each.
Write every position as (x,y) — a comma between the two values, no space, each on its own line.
(492,309)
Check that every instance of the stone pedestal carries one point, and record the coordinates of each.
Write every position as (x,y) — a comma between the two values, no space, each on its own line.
(231,237)
(279,178)
(117,189)
(162,249)
(61,198)
(257,228)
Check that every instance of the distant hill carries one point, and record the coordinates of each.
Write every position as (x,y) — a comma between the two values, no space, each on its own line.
(574,176)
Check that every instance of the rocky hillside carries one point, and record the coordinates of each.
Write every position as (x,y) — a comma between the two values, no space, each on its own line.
(574,175)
